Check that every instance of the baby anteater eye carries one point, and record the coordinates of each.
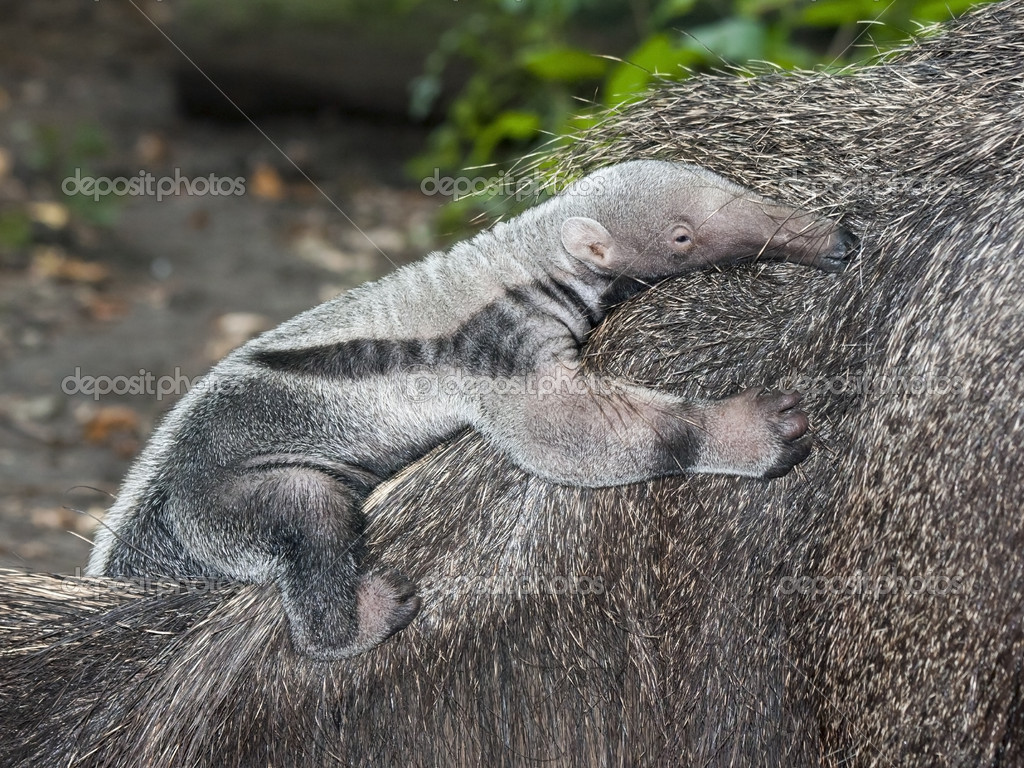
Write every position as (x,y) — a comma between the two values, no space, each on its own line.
(680,236)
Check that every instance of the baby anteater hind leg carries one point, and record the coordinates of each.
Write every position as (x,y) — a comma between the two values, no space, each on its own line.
(313,536)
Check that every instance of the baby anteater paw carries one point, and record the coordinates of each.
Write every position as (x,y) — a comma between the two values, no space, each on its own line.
(385,603)
(755,434)
(789,424)
(326,626)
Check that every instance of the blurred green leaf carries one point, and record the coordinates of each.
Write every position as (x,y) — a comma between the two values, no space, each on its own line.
(15,229)
(563,63)
(88,142)
(667,10)
(942,10)
(836,13)
(761,7)
(658,55)
(57,148)
(736,40)
(423,93)
(103,212)
(45,152)
(509,126)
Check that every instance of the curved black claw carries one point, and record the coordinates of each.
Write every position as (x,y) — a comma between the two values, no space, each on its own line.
(790,425)
(841,253)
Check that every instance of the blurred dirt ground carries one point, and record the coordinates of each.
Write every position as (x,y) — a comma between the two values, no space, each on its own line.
(139,292)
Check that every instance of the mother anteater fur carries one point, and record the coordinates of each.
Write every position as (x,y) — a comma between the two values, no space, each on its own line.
(864,610)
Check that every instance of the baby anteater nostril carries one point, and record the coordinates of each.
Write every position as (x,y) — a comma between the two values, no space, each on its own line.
(839,256)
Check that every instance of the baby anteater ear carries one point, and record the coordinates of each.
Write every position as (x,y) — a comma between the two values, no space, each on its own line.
(589,241)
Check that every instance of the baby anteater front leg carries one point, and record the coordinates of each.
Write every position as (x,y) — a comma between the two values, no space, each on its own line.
(754,433)
(576,429)
(307,526)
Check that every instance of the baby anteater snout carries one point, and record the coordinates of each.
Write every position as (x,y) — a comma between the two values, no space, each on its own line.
(841,245)
(815,241)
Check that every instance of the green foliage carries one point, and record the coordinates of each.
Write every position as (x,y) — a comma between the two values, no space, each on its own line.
(533,78)
(244,14)
(536,69)
(525,73)
(15,230)
(657,56)
(61,153)
(561,63)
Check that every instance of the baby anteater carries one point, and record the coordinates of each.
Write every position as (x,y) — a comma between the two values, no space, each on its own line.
(259,473)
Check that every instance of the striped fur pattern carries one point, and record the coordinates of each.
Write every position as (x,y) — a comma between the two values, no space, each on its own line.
(260,473)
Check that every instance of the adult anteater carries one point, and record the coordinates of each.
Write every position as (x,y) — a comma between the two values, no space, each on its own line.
(864,610)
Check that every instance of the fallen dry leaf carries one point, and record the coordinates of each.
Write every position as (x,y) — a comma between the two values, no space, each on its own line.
(151,148)
(53,215)
(54,517)
(109,421)
(105,309)
(52,263)
(313,248)
(266,183)
(199,219)
(232,330)
(89,521)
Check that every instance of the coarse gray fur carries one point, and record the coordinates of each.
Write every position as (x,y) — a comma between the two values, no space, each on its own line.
(660,624)
(259,474)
